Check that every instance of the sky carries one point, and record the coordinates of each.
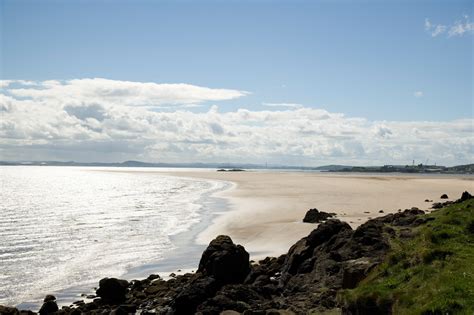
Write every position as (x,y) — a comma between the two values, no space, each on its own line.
(284,82)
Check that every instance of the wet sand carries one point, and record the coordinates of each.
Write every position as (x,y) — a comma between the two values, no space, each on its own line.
(267,207)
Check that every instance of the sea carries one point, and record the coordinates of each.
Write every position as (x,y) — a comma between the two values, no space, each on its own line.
(62,229)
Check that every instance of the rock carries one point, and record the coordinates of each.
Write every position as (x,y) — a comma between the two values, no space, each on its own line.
(124,309)
(194,294)
(437,205)
(153,277)
(49,297)
(316,216)
(465,196)
(444,196)
(5,310)
(48,307)
(381,211)
(300,256)
(112,290)
(225,261)
(355,271)
(325,231)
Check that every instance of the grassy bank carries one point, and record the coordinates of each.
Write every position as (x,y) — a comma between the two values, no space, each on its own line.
(429,269)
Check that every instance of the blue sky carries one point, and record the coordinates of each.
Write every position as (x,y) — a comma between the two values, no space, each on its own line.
(286,82)
(364,59)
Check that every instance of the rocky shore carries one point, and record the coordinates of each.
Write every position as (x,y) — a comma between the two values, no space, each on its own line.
(308,279)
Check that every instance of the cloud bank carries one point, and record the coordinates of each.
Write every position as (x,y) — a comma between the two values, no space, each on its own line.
(106,120)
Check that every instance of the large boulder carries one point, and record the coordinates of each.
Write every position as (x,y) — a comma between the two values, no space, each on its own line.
(316,216)
(225,261)
(444,196)
(112,290)
(49,306)
(465,196)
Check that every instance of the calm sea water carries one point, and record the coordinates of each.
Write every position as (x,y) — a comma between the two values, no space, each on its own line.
(64,227)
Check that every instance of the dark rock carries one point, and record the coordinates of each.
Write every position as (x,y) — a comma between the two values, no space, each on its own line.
(5,310)
(49,297)
(297,258)
(355,271)
(225,261)
(316,216)
(444,196)
(381,211)
(405,218)
(465,196)
(48,307)
(437,205)
(325,231)
(112,290)
(194,294)
(153,277)
(124,309)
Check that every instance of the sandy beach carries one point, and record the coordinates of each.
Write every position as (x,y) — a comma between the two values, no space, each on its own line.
(267,207)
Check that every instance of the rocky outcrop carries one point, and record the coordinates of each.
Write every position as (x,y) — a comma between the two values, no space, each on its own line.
(225,261)
(465,196)
(49,305)
(112,290)
(316,216)
(305,279)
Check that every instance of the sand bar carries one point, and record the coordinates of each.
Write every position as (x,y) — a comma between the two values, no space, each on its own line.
(267,207)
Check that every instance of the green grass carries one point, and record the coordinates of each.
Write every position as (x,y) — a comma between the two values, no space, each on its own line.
(432,273)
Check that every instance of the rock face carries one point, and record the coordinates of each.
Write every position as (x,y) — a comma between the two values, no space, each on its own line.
(225,261)
(112,290)
(316,216)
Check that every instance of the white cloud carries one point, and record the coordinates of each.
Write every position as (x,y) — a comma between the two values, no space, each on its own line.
(96,128)
(458,28)
(461,27)
(287,105)
(115,92)
(418,94)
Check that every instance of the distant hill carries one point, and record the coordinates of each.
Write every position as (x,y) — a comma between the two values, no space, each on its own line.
(459,169)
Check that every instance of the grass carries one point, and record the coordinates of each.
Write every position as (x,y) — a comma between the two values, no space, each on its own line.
(432,273)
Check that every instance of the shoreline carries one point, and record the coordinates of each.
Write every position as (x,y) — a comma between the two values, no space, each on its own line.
(333,270)
(242,212)
(267,207)
(183,258)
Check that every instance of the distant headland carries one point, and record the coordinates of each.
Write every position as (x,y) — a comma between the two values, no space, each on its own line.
(418,168)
